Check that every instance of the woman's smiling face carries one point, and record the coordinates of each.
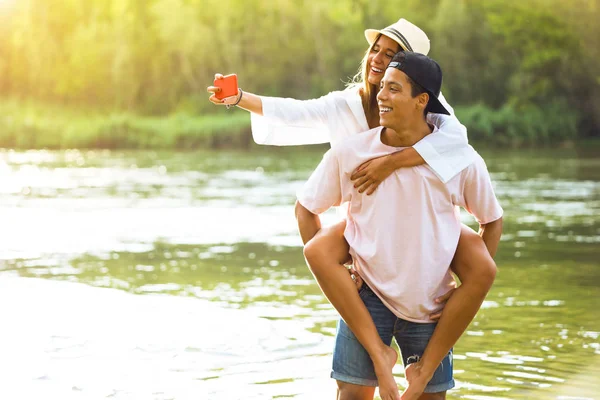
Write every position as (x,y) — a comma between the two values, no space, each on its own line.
(380,56)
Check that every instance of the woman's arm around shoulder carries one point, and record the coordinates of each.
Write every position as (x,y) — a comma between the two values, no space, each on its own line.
(447,149)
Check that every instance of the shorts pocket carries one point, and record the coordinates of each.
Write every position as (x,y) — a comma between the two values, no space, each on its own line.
(365,291)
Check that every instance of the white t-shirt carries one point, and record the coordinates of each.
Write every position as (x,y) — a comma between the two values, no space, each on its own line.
(339,115)
(402,237)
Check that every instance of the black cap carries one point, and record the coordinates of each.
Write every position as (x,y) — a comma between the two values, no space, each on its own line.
(424,71)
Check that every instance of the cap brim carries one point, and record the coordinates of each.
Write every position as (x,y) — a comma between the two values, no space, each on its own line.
(435,106)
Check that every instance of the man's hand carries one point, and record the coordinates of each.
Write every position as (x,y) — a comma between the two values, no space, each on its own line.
(371,173)
(358,281)
(442,300)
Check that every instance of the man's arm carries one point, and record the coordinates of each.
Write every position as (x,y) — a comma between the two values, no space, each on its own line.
(491,233)
(322,191)
(481,202)
(308,223)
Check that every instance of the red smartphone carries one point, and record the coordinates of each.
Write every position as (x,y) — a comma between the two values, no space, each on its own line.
(228,85)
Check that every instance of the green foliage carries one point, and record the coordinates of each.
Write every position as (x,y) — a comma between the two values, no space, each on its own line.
(509,125)
(156,57)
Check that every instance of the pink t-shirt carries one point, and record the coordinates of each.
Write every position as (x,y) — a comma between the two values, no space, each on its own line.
(402,237)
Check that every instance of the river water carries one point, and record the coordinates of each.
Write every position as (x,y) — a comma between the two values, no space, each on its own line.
(164,275)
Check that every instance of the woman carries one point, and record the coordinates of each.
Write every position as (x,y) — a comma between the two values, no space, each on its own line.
(337,115)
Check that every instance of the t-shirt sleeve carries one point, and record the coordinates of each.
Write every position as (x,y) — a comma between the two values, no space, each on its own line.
(478,193)
(323,189)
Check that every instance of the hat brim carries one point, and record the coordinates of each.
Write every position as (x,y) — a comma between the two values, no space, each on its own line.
(372,34)
(435,106)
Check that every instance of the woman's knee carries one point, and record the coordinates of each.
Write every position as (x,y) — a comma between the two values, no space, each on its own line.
(314,251)
(328,246)
(472,261)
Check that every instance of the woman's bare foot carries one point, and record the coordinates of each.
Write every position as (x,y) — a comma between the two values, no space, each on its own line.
(388,389)
(417,381)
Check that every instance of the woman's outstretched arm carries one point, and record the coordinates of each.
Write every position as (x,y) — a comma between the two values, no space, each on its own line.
(281,121)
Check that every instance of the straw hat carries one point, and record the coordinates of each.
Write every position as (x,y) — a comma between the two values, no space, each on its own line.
(409,36)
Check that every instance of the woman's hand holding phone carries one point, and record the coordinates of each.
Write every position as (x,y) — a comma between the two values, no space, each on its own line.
(224,90)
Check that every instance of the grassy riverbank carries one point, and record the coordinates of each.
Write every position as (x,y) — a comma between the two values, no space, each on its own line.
(39,126)
(35,126)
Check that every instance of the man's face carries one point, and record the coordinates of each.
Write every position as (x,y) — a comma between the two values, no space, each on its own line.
(397,107)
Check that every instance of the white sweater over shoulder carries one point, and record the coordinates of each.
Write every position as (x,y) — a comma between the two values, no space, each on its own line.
(340,114)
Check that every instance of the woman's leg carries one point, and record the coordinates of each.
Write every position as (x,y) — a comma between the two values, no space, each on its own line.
(326,254)
(476,270)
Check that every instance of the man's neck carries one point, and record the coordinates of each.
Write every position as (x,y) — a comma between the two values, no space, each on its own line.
(405,136)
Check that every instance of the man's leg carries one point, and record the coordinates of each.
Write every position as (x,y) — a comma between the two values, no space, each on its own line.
(413,339)
(326,254)
(433,396)
(348,391)
(477,271)
(352,366)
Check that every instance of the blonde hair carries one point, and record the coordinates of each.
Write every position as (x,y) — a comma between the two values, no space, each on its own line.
(368,92)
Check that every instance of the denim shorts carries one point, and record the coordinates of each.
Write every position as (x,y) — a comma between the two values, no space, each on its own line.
(352,364)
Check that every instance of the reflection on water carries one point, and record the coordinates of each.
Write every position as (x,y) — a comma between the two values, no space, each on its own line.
(179,275)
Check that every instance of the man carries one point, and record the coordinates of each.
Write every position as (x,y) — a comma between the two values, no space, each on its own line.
(402,238)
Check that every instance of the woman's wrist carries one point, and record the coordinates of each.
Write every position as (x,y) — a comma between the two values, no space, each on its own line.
(251,102)
(408,157)
(395,161)
(237,101)
(241,94)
